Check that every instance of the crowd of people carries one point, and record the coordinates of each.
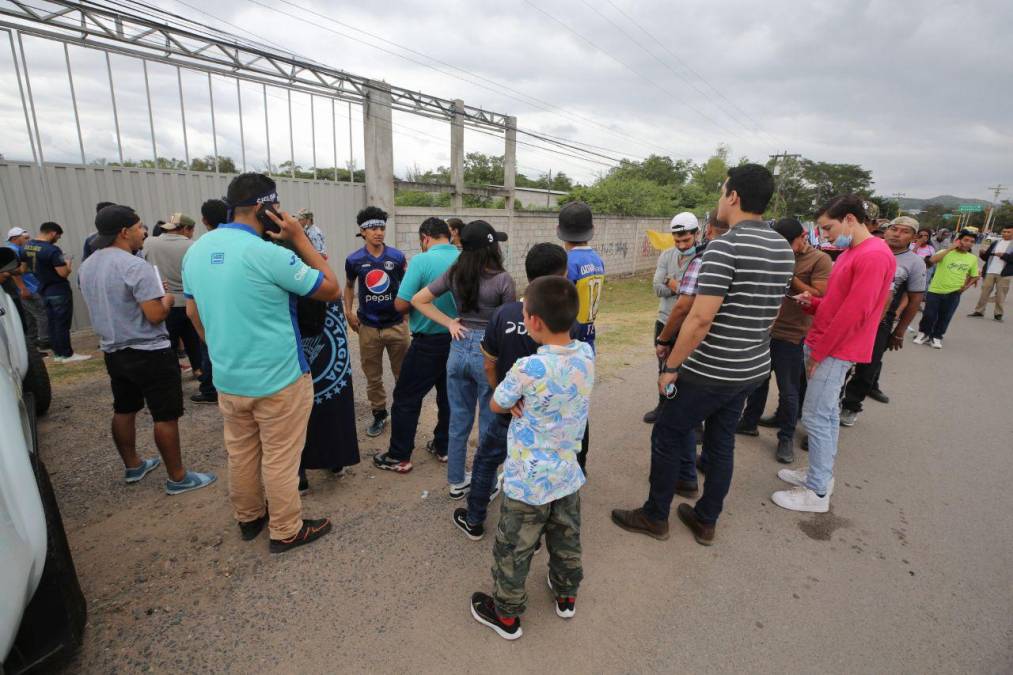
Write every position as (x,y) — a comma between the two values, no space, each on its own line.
(264,320)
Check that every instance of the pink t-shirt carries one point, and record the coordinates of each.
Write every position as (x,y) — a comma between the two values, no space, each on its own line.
(848,316)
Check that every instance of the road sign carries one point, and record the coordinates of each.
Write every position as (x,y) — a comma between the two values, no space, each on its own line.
(970,208)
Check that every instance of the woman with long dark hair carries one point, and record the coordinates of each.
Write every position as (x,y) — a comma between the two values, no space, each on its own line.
(479,284)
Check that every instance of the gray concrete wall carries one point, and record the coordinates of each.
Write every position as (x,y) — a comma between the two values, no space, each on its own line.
(73,190)
(621,241)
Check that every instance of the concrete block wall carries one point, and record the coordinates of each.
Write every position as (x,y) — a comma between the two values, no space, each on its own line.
(620,241)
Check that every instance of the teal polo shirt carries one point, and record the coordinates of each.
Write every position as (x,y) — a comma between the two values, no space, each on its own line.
(424,269)
(245,289)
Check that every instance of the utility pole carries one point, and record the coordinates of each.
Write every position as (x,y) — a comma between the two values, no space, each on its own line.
(897,196)
(996,189)
(785,156)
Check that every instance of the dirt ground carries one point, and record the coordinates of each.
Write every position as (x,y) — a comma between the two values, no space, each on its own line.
(909,573)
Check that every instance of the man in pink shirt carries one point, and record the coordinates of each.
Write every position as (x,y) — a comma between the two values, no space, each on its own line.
(842,334)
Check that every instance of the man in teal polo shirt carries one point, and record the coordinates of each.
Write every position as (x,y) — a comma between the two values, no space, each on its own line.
(425,364)
(241,296)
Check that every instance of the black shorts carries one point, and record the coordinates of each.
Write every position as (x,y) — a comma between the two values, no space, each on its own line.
(153,377)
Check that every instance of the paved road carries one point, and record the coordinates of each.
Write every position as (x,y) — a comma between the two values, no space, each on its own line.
(910,572)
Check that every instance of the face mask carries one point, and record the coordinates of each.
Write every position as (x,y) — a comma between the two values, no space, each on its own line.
(688,252)
(843,241)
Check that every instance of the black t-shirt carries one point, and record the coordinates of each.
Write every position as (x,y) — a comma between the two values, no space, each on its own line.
(506,339)
(43,258)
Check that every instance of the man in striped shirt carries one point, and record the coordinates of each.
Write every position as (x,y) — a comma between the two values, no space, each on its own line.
(721,355)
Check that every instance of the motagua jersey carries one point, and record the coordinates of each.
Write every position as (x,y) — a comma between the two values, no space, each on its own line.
(586,270)
(378,280)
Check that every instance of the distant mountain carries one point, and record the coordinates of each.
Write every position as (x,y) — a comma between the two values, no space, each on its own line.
(947,201)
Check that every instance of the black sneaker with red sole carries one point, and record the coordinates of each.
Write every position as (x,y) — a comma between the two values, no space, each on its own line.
(483,609)
(384,461)
(310,531)
(566,606)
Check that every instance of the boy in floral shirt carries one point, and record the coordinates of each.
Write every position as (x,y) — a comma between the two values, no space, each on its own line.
(548,396)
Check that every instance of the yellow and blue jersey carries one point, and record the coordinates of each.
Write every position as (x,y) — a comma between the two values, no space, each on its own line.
(586,270)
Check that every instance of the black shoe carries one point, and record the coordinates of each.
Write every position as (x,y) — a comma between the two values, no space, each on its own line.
(249,531)
(304,485)
(200,397)
(484,610)
(383,460)
(877,395)
(566,605)
(376,428)
(473,532)
(785,451)
(310,531)
(686,488)
(976,314)
(769,422)
(805,443)
(746,431)
(651,416)
(431,449)
(998,317)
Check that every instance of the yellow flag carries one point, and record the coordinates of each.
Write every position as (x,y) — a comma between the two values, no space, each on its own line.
(660,240)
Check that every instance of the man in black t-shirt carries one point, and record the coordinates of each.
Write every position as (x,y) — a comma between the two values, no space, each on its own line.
(506,340)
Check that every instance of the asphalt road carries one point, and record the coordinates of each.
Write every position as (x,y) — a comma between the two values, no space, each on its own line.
(909,573)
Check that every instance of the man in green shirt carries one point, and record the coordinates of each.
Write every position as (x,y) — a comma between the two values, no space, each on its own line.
(425,364)
(956,271)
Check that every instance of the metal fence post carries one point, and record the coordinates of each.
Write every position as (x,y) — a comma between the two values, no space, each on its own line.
(214,130)
(151,114)
(116,115)
(73,101)
(182,112)
(24,101)
(242,133)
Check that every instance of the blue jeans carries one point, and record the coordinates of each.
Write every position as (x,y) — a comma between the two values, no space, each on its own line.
(491,452)
(466,387)
(788,365)
(821,415)
(424,367)
(673,446)
(59,312)
(939,309)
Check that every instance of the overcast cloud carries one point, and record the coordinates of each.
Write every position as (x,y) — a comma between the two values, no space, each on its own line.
(918,92)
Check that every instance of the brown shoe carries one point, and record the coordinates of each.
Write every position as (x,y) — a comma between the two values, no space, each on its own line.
(686,488)
(704,534)
(636,521)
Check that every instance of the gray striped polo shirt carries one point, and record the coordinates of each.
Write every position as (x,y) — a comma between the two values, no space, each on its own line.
(750,267)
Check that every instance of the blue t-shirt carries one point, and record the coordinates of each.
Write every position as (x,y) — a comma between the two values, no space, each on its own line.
(587,272)
(244,287)
(424,269)
(43,258)
(31,283)
(379,279)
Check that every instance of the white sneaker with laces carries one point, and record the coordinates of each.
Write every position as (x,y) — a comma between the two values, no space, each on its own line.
(801,499)
(460,490)
(797,477)
(921,338)
(937,343)
(73,358)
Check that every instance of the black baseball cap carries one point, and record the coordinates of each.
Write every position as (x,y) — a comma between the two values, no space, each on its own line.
(109,221)
(789,228)
(575,223)
(479,234)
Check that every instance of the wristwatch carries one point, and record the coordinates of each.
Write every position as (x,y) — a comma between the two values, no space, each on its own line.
(670,371)
(664,343)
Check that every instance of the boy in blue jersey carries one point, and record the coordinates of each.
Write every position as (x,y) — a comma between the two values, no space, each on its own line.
(378,270)
(586,270)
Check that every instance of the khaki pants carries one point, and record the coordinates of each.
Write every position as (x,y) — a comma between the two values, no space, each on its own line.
(264,438)
(372,342)
(1001,286)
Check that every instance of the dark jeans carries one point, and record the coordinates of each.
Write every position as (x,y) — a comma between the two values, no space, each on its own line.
(673,446)
(866,375)
(424,367)
(788,364)
(179,327)
(939,309)
(207,386)
(59,312)
(491,452)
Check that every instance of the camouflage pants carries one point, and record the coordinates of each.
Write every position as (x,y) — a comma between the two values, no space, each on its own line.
(520,527)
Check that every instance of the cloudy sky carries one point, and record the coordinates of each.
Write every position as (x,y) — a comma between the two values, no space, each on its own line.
(918,92)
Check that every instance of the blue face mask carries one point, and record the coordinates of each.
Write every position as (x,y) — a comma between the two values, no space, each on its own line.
(688,252)
(843,241)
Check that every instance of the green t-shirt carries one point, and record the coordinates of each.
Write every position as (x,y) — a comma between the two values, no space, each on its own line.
(952,271)
(423,269)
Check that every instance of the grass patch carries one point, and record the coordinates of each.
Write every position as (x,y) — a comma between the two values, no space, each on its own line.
(64,374)
(625,323)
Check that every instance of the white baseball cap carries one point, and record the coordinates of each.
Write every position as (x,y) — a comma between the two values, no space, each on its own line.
(684,222)
(16,232)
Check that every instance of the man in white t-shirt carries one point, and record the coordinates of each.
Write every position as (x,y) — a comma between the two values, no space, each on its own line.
(998,271)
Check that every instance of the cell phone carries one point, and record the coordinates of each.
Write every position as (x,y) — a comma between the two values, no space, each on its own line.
(670,390)
(265,220)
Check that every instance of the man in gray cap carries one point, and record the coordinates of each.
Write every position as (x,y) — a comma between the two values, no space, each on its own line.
(166,253)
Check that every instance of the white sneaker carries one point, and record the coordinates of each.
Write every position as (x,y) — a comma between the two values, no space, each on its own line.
(937,343)
(801,499)
(73,358)
(497,488)
(461,490)
(797,477)
(921,338)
